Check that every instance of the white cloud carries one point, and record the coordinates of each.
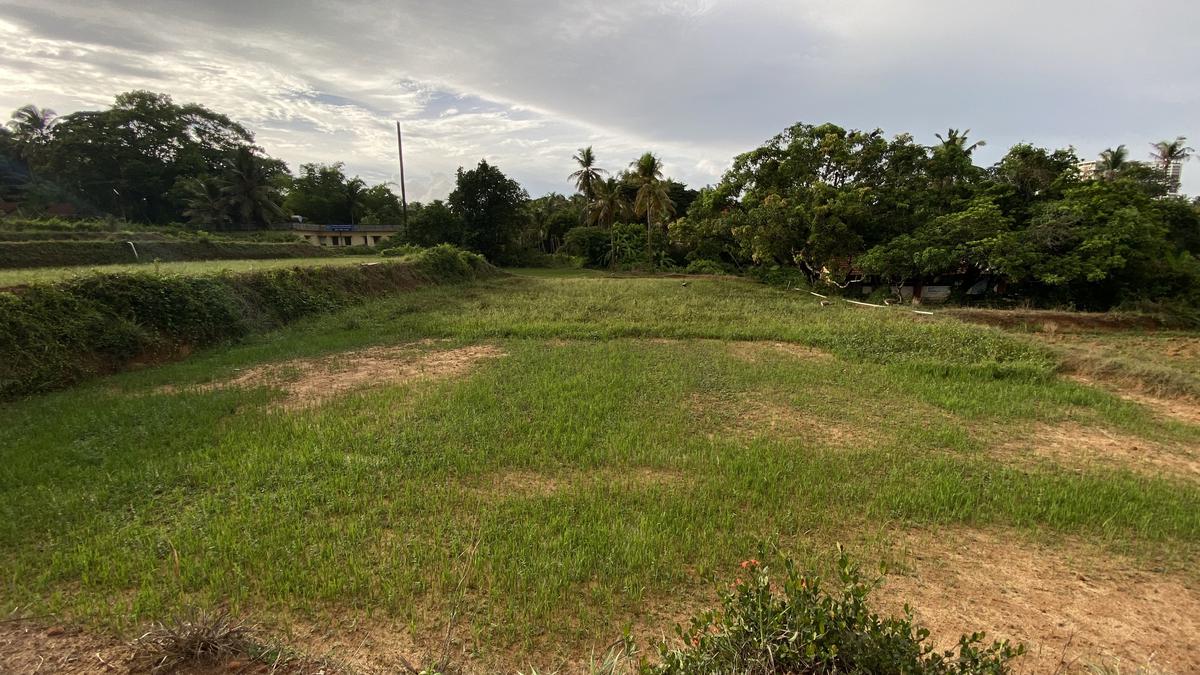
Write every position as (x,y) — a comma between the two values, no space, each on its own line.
(527,82)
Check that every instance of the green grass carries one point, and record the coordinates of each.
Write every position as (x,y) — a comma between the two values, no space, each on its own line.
(16,277)
(120,502)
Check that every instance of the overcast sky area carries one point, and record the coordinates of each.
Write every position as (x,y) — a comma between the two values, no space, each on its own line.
(525,83)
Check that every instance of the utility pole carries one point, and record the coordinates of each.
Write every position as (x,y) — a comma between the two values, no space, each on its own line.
(403,196)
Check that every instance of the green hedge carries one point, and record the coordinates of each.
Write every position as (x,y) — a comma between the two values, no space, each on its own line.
(52,335)
(73,253)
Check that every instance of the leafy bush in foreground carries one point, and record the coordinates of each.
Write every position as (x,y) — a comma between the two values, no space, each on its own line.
(795,625)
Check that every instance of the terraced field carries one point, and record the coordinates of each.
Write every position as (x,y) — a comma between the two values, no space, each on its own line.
(535,465)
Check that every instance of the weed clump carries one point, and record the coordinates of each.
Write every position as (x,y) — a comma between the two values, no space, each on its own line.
(204,638)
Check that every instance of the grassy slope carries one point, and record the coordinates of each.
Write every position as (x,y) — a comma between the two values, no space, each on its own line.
(120,503)
(17,277)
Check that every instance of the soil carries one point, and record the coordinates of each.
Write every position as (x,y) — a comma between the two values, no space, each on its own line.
(1078,446)
(1069,604)
(310,382)
(1051,321)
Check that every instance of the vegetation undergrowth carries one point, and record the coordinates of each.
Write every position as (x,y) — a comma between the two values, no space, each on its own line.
(54,334)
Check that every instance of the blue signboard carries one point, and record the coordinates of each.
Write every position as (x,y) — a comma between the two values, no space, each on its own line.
(339,228)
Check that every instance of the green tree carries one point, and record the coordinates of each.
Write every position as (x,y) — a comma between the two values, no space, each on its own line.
(490,206)
(318,193)
(433,223)
(380,206)
(126,159)
(948,244)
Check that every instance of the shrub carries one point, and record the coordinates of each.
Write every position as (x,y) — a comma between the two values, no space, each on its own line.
(401,250)
(450,263)
(591,243)
(796,626)
(706,267)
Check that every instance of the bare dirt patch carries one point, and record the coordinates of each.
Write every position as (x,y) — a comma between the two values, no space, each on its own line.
(1079,446)
(1052,321)
(1107,609)
(1182,408)
(32,647)
(310,382)
(754,352)
(769,414)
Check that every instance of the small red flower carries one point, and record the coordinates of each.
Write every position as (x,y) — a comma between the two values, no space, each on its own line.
(749,564)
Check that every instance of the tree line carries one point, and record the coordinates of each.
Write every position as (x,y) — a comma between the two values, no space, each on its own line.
(831,204)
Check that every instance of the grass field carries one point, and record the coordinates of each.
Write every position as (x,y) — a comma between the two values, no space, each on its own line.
(16,277)
(556,458)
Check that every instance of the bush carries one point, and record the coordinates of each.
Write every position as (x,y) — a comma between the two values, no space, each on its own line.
(796,626)
(450,263)
(706,267)
(591,243)
(54,334)
(401,250)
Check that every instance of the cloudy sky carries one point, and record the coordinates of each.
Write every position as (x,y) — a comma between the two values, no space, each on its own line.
(524,83)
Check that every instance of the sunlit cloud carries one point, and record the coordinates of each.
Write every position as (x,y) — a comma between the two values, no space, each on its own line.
(525,84)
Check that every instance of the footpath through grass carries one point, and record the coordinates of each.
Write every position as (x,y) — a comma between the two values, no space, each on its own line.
(637,439)
(17,277)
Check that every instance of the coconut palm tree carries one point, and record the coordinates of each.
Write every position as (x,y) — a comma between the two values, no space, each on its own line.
(652,199)
(1167,153)
(1112,160)
(252,198)
(958,141)
(1170,154)
(588,174)
(31,124)
(609,203)
(204,202)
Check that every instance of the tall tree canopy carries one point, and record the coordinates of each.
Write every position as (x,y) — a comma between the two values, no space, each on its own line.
(490,205)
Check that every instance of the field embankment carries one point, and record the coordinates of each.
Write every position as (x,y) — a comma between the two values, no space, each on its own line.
(25,254)
(52,335)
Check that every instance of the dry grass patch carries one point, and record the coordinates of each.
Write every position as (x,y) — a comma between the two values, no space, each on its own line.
(1078,446)
(1073,602)
(1180,408)
(310,382)
(753,352)
(762,413)
(526,484)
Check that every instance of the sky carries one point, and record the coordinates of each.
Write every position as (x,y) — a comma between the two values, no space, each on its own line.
(525,83)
